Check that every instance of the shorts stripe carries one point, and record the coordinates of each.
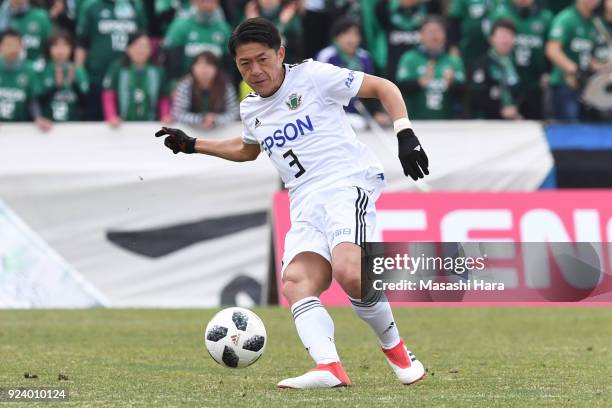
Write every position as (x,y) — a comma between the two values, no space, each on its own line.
(357,216)
(363,215)
(360,212)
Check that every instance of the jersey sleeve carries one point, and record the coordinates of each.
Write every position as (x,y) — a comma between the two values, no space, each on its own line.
(247,136)
(559,29)
(335,85)
(406,69)
(174,35)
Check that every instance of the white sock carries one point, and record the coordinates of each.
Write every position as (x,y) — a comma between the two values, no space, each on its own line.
(376,312)
(316,329)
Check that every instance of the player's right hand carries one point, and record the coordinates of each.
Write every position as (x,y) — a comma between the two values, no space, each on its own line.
(177,140)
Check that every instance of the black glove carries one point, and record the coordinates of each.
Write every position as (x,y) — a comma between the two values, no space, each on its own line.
(412,156)
(177,141)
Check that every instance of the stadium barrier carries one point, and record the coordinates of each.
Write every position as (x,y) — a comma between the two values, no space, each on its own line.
(583,155)
(151,229)
(528,272)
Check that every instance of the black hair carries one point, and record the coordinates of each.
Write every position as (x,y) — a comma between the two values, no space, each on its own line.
(135,36)
(503,23)
(10,32)
(435,19)
(217,88)
(343,24)
(57,35)
(125,61)
(255,30)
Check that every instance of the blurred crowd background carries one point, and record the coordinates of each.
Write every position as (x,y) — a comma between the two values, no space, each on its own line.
(168,61)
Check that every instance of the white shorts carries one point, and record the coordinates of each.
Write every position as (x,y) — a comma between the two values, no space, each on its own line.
(325,218)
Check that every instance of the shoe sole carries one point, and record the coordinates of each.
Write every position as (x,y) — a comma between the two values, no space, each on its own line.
(417,380)
(286,387)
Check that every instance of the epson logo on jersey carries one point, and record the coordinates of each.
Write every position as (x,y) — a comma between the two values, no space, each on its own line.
(289,132)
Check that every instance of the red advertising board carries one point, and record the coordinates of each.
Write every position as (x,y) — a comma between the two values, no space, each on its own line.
(525,217)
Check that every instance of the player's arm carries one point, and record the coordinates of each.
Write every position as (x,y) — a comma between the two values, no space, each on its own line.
(411,155)
(233,149)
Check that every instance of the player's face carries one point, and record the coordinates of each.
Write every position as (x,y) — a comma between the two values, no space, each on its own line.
(433,36)
(608,7)
(502,40)
(349,40)
(60,50)
(261,67)
(10,48)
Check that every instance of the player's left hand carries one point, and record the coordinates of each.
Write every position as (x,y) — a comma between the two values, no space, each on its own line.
(411,155)
(177,140)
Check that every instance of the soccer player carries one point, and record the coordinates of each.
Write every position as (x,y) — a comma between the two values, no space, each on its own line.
(296,118)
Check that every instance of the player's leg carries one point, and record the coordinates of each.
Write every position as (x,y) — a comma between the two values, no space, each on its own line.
(373,308)
(305,276)
(304,279)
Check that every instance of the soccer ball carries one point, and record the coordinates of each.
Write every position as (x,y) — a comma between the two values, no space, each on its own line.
(235,337)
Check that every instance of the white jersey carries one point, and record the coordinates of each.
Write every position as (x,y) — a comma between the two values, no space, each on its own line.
(305,132)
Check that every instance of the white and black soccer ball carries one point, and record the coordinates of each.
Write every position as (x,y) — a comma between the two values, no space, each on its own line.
(235,337)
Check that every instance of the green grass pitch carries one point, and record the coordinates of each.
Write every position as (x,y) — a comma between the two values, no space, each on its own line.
(475,357)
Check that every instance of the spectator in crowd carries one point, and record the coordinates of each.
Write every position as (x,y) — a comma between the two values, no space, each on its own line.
(493,80)
(431,79)
(555,6)
(134,89)
(205,99)
(64,85)
(571,44)
(285,17)
(603,24)
(167,11)
(32,23)
(401,21)
(345,52)
(316,23)
(532,25)
(468,24)
(103,28)
(204,30)
(19,85)
(61,12)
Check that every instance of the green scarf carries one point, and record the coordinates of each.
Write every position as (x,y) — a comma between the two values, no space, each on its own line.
(352,62)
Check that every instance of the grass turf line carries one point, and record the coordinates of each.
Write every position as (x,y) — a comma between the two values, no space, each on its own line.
(475,357)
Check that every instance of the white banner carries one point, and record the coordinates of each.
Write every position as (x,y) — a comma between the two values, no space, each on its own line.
(151,229)
(32,275)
